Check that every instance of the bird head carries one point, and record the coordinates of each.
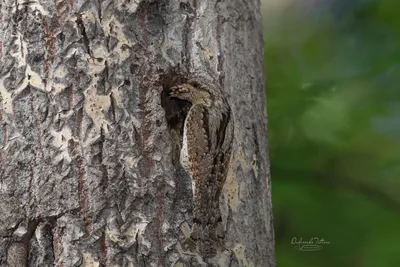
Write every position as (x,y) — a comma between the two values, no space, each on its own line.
(190,93)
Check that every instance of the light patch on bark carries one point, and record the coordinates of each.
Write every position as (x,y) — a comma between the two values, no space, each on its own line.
(224,258)
(3,189)
(254,165)
(134,233)
(95,105)
(113,27)
(179,264)
(59,74)
(30,77)
(239,251)
(208,52)
(241,157)
(165,227)
(21,230)
(185,228)
(131,161)
(61,71)
(134,230)
(113,235)
(60,141)
(230,190)
(94,67)
(116,93)
(88,17)
(89,261)
(35,79)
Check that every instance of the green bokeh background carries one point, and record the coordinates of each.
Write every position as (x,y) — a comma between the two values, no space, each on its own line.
(333,92)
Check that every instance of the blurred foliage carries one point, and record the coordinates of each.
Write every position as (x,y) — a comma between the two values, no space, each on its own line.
(333,78)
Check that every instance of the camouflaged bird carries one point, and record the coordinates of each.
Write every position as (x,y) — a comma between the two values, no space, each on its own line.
(205,154)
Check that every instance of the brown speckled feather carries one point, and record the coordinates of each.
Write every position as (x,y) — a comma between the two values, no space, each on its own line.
(205,154)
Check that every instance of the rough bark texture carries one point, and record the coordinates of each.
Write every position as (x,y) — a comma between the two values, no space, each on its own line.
(89,174)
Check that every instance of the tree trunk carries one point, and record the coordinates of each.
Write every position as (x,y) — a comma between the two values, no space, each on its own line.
(90,139)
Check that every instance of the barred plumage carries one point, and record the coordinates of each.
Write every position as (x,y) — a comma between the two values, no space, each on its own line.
(205,154)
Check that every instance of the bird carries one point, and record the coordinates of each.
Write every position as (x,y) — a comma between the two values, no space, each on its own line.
(205,154)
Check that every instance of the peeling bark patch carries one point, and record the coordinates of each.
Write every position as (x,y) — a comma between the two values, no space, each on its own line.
(95,107)
(89,261)
(206,51)
(231,190)
(120,51)
(239,251)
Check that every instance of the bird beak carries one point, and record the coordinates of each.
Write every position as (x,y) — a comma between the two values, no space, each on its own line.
(173,91)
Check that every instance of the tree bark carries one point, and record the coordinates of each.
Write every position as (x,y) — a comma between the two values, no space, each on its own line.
(89,139)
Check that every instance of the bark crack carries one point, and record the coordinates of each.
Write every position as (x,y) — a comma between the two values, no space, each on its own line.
(81,27)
